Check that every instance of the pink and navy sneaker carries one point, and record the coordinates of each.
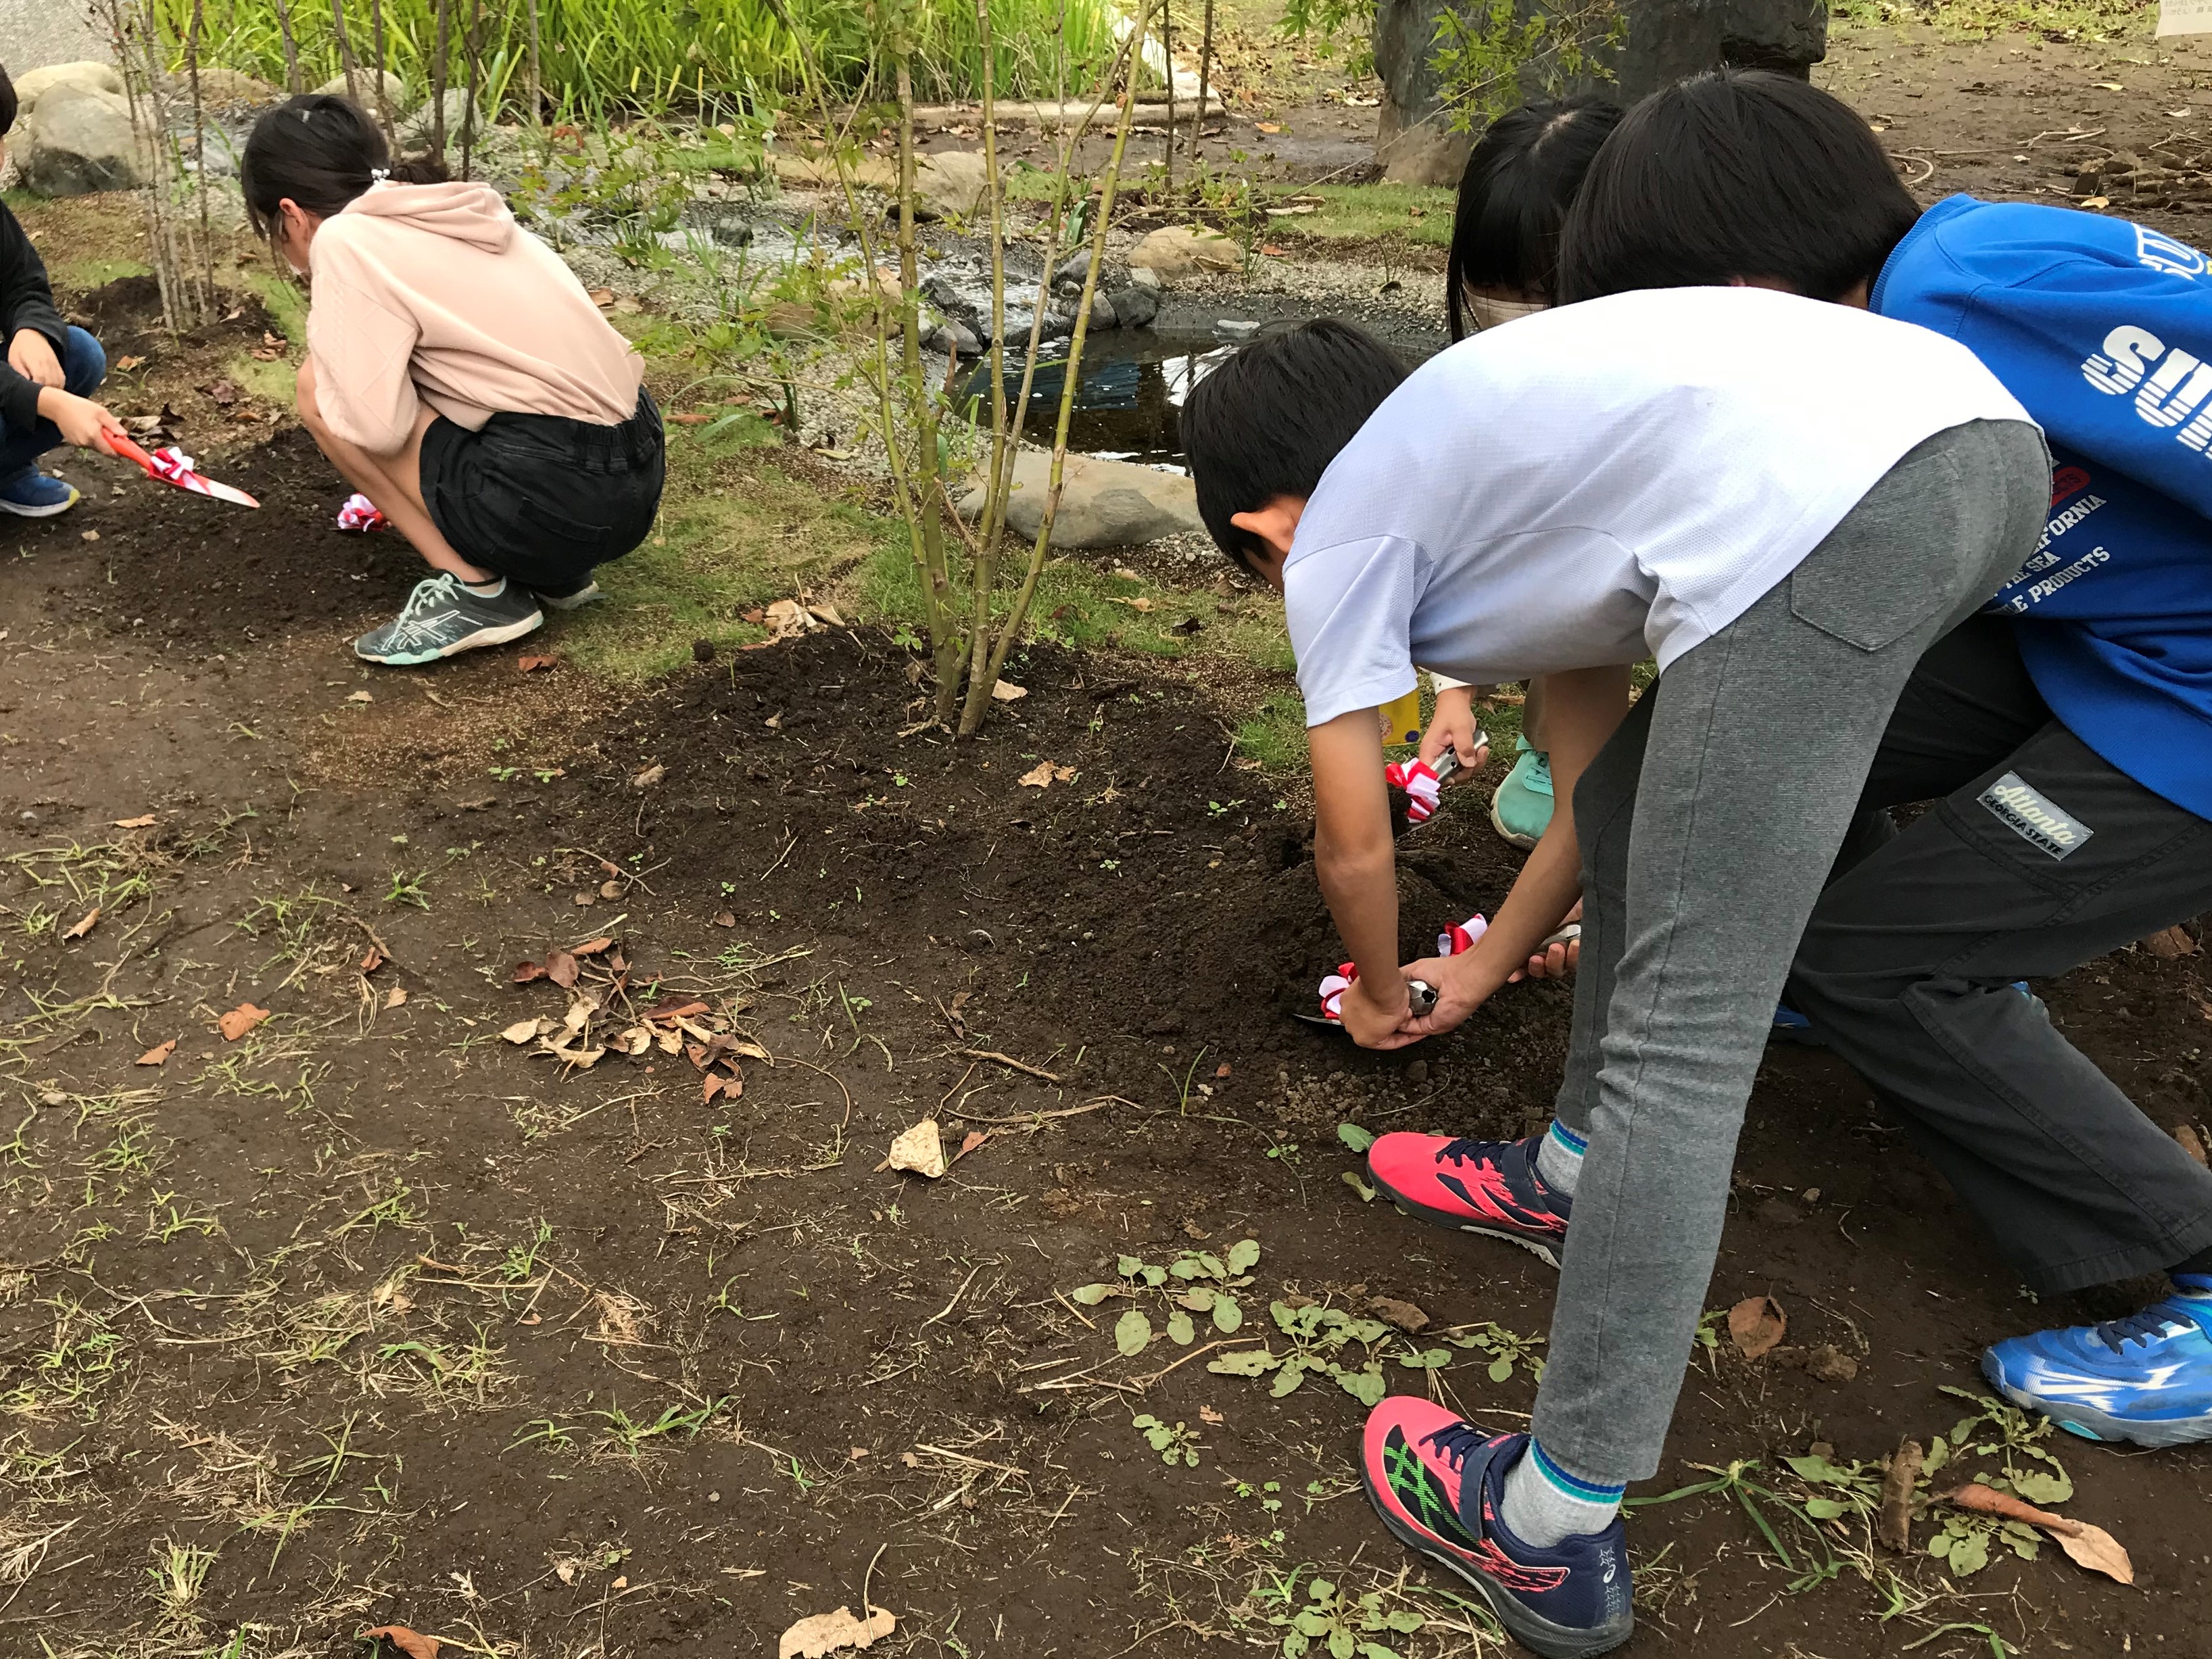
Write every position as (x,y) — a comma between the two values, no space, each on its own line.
(1437,1481)
(1488,1186)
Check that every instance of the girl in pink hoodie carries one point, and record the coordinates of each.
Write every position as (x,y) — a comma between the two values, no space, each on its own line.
(459,376)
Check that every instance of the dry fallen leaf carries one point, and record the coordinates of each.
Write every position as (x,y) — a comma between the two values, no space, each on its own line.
(1269,127)
(651,776)
(240,1020)
(1007,691)
(826,1632)
(1404,1315)
(1758,1324)
(145,823)
(524,972)
(604,298)
(127,363)
(1041,774)
(2191,1142)
(396,997)
(413,1643)
(361,697)
(724,919)
(2088,1545)
(1208,1414)
(592,947)
(85,925)
(372,958)
(560,968)
(970,1142)
(2170,944)
(158,1055)
(532,665)
(920,1149)
(690,417)
(523,1030)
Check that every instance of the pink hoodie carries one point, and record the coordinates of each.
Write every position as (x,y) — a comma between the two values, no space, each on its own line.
(433,291)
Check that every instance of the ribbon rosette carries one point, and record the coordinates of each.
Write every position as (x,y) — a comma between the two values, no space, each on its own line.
(1333,987)
(1462,936)
(1424,789)
(171,465)
(360,513)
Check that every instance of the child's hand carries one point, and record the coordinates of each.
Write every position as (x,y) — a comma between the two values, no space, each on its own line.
(1375,1019)
(82,421)
(1453,727)
(31,355)
(1559,957)
(1458,994)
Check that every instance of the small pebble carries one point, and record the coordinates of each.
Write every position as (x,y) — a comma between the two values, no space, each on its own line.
(1417,1071)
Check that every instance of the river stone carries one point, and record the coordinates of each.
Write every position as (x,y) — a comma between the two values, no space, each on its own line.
(1665,40)
(1178,252)
(813,173)
(949,185)
(1102,503)
(1136,306)
(416,130)
(220,87)
(76,142)
(33,83)
(395,91)
(961,290)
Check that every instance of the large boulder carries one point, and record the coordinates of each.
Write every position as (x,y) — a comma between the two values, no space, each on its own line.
(220,88)
(77,141)
(1665,40)
(32,84)
(364,90)
(1102,503)
(416,130)
(796,172)
(950,184)
(1178,252)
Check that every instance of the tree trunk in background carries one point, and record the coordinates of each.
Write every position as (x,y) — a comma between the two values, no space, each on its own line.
(1667,40)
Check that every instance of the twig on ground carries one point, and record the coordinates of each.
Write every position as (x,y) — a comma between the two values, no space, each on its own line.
(1008,1059)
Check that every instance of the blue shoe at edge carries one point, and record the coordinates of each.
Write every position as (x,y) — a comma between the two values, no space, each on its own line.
(2146,1379)
(32,493)
(1791,1027)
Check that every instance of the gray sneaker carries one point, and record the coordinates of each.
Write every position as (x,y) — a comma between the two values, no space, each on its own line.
(572,599)
(442,617)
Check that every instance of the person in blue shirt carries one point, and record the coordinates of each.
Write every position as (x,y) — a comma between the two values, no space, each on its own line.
(2065,733)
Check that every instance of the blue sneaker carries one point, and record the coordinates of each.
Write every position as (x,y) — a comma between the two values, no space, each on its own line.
(2146,1378)
(1437,1481)
(1521,806)
(32,493)
(1793,1028)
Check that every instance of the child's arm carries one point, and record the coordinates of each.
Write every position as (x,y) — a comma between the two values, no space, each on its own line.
(1358,868)
(1452,727)
(34,327)
(1582,710)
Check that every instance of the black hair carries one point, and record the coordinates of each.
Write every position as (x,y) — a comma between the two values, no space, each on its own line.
(6,102)
(319,150)
(1269,420)
(1515,195)
(1736,174)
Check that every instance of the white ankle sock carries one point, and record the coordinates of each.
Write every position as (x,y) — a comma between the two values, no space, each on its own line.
(1545,1504)
(1559,1158)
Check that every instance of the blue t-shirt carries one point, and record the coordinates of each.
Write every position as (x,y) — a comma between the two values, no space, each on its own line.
(2103,330)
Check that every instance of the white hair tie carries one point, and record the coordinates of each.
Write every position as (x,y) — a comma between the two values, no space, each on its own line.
(378,175)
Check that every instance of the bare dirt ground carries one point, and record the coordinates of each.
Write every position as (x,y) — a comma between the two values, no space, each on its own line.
(371,1314)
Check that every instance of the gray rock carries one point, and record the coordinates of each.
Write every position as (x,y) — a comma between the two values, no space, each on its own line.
(395,91)
(961,290)
(1102,503)
(1136,306)
(1104,313)
(949,185)
(78,141)
(955,339)
(1178,252)
(1665,41)
(33,84)
(416,130)
(1068,279)
(1234,331)
(221,87)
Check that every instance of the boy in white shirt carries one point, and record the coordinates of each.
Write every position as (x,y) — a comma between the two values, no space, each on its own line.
(1784,503)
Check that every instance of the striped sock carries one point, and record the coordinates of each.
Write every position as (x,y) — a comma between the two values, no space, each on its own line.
(1559,1159)
(1546,1504)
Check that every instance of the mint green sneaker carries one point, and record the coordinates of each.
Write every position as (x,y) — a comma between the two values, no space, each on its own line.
(1521,810)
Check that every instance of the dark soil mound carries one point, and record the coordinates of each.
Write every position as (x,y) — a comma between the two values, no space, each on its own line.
(126,312)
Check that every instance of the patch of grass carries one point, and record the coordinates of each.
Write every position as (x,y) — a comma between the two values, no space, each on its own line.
(2061,20)
(1413,213)
(274,382)
(287,301)
(1274,734)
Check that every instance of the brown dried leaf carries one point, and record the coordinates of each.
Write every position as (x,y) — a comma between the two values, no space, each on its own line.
(2098,1550)
(85,925)
(524,972)
(826,1632)
(675,1010)
(724,919)
(647,778)
(372,958)
(240,1020)
(590,947)
(532,665)
(158,1055)
(1404,1315)
(413,1643)
(1037,777)
(560,968)
(604,298)
(2170,944)
(1758,1324)
(523,1030)
(2191,1143)
(1007,691)
(634,1040)
(970,1142)
(2088,1545)
(396,997)
(126,363)
(145,822)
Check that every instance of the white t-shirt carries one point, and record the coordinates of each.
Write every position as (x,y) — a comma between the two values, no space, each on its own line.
(1605,482)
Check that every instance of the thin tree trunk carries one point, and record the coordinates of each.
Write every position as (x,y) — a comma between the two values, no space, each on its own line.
(1011,629)
(199,154)
(438,65)
(983,573)
(1167,53)
(345,50)
(471,43)
(383,99)
(122,21)
(1205,63)
(537,80)
(292,81)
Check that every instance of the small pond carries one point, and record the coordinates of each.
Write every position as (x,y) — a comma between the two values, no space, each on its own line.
(1129,400)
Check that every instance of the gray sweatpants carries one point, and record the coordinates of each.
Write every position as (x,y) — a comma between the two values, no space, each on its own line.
(1708,824)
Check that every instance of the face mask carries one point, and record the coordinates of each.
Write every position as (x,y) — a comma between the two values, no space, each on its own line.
(1496,313)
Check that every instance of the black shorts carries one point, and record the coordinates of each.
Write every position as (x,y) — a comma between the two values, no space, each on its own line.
(542,498)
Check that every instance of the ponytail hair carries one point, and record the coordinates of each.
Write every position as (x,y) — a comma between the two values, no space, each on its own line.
(320,151)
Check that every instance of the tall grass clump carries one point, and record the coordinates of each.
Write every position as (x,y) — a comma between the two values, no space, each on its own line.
(600,57)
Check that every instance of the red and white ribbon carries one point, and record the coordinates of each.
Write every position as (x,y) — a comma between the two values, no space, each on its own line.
(360,513)
(1462,936)
(173,465)
(1333,987)
(1424,789)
